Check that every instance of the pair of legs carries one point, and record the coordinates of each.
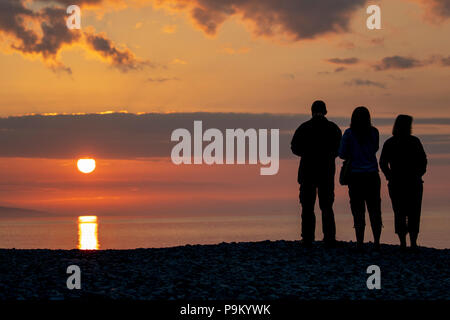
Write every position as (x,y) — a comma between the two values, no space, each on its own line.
(309,189)
(364,190)
(406,200)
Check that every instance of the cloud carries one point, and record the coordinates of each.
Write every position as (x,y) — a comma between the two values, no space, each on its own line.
(337,70)
(123,59)
(441,8)
(398,62)
(445,61)
(368,83)
(397,78)
(403,63)
(161,80)
(437,10)
(43,33)
(297,19)
(80,3)
(377,41)
(131,136)
(16,23)
(9,212)
(119,136)
(346,61)
(347,45)
(288,76)
(124,135)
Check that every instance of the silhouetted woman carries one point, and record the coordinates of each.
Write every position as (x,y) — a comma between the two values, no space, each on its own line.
(404,162)
(359,145)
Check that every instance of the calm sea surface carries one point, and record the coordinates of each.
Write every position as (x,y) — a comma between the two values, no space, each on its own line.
(143,232)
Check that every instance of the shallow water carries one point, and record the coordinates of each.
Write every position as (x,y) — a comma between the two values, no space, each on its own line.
(145,232)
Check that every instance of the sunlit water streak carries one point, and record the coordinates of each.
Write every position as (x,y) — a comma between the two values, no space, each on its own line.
(130,232)
(88,233)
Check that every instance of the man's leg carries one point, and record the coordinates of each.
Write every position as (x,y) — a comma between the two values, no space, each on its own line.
(326,200)
(308,200)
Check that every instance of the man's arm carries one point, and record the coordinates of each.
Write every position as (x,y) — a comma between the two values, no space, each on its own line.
(337,141)
(343,148)
(297,143)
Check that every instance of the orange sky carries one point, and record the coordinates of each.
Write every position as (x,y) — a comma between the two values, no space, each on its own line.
(182,66)
(245,56)
(157,188)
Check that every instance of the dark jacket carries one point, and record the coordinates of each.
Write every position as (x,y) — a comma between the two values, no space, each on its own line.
(362,155)
(403,159)
(317,142)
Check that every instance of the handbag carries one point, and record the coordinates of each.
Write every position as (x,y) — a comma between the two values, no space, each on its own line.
(344,176)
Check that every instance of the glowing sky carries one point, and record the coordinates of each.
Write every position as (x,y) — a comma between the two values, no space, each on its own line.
(173,57)
(240,56)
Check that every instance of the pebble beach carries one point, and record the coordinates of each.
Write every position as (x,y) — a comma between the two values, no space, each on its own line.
(268,270)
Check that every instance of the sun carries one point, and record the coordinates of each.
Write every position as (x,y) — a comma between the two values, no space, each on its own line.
(86,165)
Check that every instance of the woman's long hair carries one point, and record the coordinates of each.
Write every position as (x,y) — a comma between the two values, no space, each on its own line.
(361,124)
(402,126)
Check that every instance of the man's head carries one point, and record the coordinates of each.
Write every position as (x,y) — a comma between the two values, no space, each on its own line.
(318,108)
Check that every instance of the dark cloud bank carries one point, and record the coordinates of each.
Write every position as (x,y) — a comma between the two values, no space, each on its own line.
(129,136)
(301,19)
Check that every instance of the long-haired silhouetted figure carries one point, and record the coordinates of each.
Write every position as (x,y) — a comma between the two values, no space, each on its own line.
(404,162)
(317,142)
(359,145)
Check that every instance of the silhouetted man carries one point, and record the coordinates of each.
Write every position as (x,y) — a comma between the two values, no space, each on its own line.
(317,142)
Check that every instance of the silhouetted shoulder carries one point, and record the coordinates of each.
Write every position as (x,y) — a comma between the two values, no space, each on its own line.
(419,146)
(389,142)
(386,153)
(334,126)
(305,125)
(416,139)
(347,132)
(375,131)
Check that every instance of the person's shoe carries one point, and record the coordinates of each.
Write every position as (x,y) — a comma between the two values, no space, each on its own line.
(414,248)
(376,247)
(359,247)
(403,243)
(330,243)
(306,243)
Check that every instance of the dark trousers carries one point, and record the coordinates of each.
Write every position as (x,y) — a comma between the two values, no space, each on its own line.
(309,189)
(364,190)
(407,205)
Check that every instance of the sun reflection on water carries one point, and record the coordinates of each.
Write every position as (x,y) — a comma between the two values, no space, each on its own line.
(88,233)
